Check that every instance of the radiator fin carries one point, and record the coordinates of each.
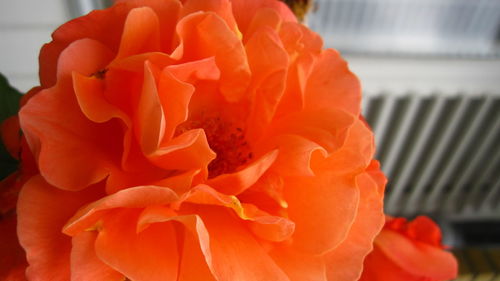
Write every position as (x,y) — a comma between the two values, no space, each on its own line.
(440,152)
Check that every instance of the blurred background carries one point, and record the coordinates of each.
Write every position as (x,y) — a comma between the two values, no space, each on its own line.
(430,71)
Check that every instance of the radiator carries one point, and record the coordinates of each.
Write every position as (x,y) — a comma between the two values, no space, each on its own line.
(441,153)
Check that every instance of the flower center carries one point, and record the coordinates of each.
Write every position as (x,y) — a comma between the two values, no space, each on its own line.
(226,140)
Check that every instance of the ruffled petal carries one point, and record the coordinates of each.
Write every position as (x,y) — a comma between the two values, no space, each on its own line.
(416,257)
(192,258)
(150,117)
(190,72)
(330,199)
(244,11)
(168,13)
(141,33)
(265,18)
(345,263)
(93,147)
(135,63)
(221,7)
(206,35)
(299,266)
(85,265)
(231,251)
(263,225)
(189,150)
(268,63)
(40,221)
(267,194)
(237,182)
(295,153)
(332,85)
(379,268)
(354,156)
(424,229)
(174,96)
(303,47)
(326,127)
(105,26)
(180,183)
(150,254)
(90,94)
(134,197)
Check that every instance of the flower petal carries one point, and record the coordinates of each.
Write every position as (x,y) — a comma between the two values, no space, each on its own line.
(354,155)
(237,182)
(134,197)
(378,267)
(295,153)
(207,35)
(424,229)
(135,63)
(174,96)
(326,127)
(192,258)
(345,263)
(85,265)
(191,254)
(244,11)
(167,12)
(204,69)
(330,199)
(268,63)
(263,225)
(151,254)
(265,18)
(231,251)
(221,7)
(299,266)
(40,221)
(189,150)
(150,117)
(332,85)
(416,257)
(105,26)
(93,147)
(141,33)
(180,183)
(90,94)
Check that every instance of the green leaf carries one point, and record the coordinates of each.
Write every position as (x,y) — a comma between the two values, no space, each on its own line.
(9,106)
(9,99)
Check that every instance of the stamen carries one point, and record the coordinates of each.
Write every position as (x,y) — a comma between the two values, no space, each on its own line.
(226,140)
(100,74)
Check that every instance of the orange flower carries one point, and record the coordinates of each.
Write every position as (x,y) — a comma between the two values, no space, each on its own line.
(214,135)
(409,251)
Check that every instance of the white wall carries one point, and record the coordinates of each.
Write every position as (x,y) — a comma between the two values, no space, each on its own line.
(25,25)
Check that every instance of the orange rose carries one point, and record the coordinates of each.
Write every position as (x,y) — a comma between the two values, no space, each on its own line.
(409,251)
(197,140)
